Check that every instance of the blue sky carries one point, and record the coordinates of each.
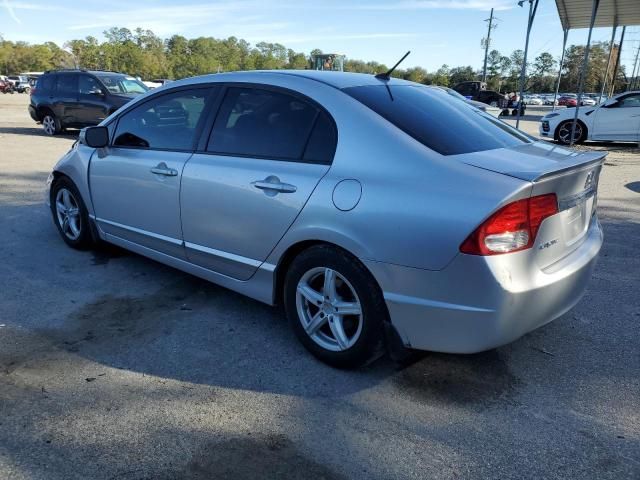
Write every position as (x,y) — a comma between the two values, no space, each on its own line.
(436,31)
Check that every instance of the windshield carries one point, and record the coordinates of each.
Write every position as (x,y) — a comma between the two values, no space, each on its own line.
(122,84)
(431,117)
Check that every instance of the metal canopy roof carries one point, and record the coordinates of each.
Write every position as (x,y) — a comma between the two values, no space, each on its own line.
(577,13)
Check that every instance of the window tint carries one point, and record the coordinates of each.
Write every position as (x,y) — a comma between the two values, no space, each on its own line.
(262,123)
(322,142)
(46,83)
(436,120)
(630,101)
(67,84)
(88,85)
(167,121)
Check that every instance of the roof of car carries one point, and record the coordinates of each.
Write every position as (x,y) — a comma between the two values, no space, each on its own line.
(93,72)
(335,79)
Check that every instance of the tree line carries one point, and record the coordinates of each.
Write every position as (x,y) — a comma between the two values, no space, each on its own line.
(142,53)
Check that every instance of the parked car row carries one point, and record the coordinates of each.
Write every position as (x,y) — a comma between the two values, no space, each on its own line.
(15,83)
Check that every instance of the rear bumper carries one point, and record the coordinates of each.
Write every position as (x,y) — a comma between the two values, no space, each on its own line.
(32,112)
(479,303)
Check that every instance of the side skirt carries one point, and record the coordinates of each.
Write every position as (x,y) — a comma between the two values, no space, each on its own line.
(258,287)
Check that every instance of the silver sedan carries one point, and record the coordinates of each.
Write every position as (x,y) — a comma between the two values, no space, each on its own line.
(379,212)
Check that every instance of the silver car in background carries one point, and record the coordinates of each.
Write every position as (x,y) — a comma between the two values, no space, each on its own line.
(375,210)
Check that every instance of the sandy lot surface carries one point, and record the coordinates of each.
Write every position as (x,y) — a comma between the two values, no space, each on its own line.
(115,367)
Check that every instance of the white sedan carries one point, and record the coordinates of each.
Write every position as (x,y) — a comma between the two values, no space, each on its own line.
(617,119)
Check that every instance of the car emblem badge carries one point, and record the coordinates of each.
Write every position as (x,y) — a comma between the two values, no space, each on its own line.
(548,244)
(588,183)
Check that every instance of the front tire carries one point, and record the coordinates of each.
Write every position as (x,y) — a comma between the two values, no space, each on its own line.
(335,307)
(563,133)
(70,214)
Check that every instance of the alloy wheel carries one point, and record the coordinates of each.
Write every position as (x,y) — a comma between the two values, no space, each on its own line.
(68,214)
(564,134)
(49,125)
(329,309)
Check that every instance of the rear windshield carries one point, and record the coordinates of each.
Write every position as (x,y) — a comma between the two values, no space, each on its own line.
(437,120)
(122,84)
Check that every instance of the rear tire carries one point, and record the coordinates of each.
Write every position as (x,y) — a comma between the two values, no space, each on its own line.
(335,307)
(70,214)
(50,124)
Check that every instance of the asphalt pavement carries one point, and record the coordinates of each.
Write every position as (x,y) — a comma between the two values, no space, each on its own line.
(113,366)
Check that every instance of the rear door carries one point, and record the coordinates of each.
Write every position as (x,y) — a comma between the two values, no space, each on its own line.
(135,183)
(65,101)
(620,121)
(267,151)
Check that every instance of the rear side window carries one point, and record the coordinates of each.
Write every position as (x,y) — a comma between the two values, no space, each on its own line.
(322,142)
(166,122)
(46,83)
(436,120)
(67,84)
(262,123)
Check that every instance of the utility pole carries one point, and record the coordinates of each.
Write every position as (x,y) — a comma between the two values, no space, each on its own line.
(487,43)
(634,73)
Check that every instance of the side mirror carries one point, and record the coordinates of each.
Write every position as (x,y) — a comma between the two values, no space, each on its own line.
(610,103)
(97,92)
(94,137)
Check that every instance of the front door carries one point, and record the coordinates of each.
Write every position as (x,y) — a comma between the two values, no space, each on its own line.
(620,121)
(135,182)
(267,151)
(92,108)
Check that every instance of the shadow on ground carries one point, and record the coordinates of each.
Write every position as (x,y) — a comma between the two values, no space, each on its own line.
(37,131)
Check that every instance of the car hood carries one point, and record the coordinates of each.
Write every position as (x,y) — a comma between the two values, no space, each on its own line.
(531,161)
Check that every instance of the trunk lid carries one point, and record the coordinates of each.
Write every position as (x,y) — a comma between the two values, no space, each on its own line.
(572,176)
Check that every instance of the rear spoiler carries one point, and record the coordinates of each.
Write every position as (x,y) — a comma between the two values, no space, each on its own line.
(581,161)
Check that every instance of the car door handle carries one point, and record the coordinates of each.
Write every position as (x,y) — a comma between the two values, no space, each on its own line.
(162,169)
(273,184)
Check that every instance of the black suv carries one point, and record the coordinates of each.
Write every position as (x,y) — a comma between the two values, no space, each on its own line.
(78,98)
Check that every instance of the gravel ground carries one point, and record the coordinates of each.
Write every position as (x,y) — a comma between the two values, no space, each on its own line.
(113,366)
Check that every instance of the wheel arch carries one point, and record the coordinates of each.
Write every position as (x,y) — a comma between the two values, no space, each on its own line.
(42,111)
(290,254)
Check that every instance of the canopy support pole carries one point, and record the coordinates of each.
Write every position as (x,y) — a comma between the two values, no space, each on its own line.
(583,73)
(615,69)
(533,7)
(606,71)
(564,48)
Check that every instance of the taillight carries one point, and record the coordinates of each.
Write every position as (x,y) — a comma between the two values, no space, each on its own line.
(512,228)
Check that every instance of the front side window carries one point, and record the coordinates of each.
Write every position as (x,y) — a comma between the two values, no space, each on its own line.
(630,101)
(67,85)
(117,83)
(262,123)
(166,122)
(88,85)
(436,120)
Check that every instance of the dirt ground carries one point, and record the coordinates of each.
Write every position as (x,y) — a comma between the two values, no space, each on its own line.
(113,366)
